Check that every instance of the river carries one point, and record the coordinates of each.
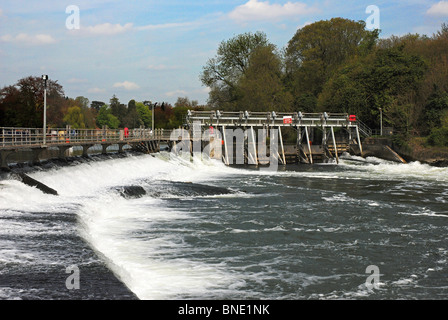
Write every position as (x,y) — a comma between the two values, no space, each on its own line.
(162,227)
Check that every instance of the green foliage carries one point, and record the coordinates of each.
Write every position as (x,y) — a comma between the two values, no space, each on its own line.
(435,109)
(439,137)
(179,114)
(439,134)
(379,80)
(106,118)
(222,73)
(75,118)
(22,104)
(317,50)
(145,114)
(132,118)
(261,87)
(119,110)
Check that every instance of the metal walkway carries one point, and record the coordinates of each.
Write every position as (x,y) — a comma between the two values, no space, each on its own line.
(303,123)
(14,139)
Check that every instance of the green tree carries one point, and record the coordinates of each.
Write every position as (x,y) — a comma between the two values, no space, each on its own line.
(106,118)
(435,110)
(22,104)
(223,72)
(145,114)
(75,118)
(118,109)
(318,50)
(132,118)
(185,102)
(384,79)
(261,87)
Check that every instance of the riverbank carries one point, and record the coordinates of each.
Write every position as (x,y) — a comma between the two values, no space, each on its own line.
(416,150)
(412,151)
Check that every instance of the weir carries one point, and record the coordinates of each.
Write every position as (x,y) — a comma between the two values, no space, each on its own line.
(254,138)
(223,127)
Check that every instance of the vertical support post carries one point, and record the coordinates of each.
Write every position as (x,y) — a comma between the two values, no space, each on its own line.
(381,121)
(335,146)
(309,145)
(359,139)
(324,136)
(350,137)
(152,114)
(44,129)
(252,157)
(281,145)
(44,132)
(226,153)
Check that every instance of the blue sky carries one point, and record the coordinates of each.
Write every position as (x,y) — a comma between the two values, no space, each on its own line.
(155,50)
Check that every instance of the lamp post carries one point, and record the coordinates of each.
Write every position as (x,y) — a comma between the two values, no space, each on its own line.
(381,121)
(153,106)
(44,132)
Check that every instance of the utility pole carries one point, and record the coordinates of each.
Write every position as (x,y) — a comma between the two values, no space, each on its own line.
(381,121)
(44,131)
(153,106)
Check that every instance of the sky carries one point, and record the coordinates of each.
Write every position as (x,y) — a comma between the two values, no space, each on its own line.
(155,50)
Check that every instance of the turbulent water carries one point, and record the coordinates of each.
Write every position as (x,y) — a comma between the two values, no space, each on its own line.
(162,227)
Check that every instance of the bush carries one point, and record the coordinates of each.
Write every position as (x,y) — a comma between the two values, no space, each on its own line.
(439,137)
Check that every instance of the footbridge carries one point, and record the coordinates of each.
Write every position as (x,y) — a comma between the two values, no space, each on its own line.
(14,140)
(309,147)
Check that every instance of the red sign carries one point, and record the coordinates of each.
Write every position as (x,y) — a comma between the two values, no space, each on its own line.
(287,120)
(352,118)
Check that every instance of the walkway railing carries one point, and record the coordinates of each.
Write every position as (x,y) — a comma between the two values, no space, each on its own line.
(248,118)
(23,137)
(364,129)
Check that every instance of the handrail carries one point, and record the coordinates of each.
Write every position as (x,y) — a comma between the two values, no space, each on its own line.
(364,129)
(22,137)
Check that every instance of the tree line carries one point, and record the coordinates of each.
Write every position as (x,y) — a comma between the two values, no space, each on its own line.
(22,105)
(338,66)
(332,65)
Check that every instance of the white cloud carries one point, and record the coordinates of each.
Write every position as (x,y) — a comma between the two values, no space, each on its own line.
(96,90)
(176,93)
(1,12)
(262,10)
(127,85)
(439,9)
(107,29)
(24,38)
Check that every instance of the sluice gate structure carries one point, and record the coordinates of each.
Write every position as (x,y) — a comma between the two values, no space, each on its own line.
(221,127)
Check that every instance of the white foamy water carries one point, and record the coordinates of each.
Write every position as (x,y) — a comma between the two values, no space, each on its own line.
(147,243)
